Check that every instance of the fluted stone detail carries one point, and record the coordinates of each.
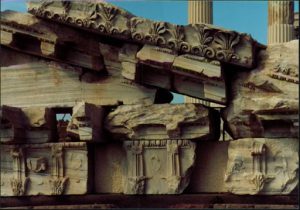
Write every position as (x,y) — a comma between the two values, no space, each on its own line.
(199,12)
(280,21)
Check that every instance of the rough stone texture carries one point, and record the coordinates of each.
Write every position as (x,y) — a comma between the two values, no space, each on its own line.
(109,167)
(265,100)
(26,125)
(163,121)
(158,166)
(54,84)
(108,20)
(86,123)
(44,169)
(262,166)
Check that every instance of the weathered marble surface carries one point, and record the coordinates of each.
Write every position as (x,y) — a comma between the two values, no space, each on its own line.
(54,84)
(163,121)
(265,100)
(106,19)
(158,166)
(44,169)
(262,166)
(26,33)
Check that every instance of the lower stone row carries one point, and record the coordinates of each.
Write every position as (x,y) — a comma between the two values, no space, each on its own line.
(244,166)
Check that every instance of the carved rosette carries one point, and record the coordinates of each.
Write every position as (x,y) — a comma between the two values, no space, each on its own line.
(200,39)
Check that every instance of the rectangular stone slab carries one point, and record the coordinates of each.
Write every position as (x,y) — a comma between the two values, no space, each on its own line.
(53,84)
(45,169)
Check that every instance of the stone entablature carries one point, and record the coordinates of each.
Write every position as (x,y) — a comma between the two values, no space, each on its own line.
(197,39)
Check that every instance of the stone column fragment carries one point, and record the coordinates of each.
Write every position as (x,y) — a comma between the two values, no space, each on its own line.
(200,11)
(280,21)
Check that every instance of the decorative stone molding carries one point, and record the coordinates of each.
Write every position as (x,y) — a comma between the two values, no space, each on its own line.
(158,166)
(106,19)
(262,166)
(163,121)
(52,168)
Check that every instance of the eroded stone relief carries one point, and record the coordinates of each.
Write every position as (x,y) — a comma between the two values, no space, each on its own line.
(158,166)
(262,166)
(44,169)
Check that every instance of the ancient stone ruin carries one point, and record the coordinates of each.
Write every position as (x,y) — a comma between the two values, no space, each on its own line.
(85,106)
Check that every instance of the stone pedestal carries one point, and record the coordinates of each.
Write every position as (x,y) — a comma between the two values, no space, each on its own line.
(280,22)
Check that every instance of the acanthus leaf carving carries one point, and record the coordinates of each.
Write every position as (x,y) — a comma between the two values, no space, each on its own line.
(205,38)
(18,186)
(225,44)
(58,185)
(176,42)
(157,29)
(214,43)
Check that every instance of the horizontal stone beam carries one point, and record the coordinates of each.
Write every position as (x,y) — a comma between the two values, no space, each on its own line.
(55,84)
(108,20)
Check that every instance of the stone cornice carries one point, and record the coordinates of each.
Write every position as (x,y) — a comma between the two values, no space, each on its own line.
(106,19)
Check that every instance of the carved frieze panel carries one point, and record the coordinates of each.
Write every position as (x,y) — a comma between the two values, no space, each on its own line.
(262,166)
(44,169)
(163,121)
(158,166)
(200,39)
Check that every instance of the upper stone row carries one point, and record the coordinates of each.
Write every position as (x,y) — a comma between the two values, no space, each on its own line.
(197,39)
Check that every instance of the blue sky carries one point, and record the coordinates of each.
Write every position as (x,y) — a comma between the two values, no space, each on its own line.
(243,16)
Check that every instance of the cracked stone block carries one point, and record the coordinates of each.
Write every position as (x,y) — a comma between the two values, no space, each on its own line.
(265,101)
(163,121)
